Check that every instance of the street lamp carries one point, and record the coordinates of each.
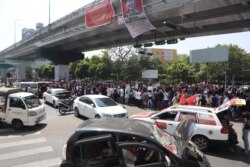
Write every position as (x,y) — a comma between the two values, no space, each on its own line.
(15,30)
(49,12)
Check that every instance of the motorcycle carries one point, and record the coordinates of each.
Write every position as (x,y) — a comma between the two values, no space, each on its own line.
(66,105)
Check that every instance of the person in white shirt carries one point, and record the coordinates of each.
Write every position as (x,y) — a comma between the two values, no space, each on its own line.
(121,92)
(109,91)
(165,99)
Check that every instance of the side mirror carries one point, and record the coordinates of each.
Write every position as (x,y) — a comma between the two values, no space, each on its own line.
(92,105)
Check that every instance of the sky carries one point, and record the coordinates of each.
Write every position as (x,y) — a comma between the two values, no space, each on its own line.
(18,14)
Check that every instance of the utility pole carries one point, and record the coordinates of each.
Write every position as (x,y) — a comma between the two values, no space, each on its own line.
(49,12)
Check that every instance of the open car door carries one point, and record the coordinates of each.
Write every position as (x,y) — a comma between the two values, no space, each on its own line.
(183,134)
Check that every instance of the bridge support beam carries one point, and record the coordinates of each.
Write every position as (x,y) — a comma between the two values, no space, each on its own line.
(20,73)
(3,74)
(62,72)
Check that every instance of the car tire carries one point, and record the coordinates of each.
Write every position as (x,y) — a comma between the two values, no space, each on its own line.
(201,142)
(44,98)
(77,112)
(17,124)
(97,116)
(54,104)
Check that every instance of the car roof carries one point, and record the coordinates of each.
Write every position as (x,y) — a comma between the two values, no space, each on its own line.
(95,96)
(21,94)
(194,108)
(123,125)
(7,91)
(55,89)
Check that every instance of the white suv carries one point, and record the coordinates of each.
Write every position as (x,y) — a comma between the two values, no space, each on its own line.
(209,128)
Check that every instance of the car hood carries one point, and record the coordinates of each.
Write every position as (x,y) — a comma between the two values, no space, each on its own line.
(142,115)
(111,110)
(183,134)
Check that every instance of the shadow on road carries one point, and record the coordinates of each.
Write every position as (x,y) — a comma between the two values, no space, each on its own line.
(223,152)
(27,130)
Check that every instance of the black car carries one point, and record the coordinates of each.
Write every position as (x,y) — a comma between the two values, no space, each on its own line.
(114,142)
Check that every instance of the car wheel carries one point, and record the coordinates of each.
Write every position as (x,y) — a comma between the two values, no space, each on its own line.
(201,141)
(45,101)
(97,116)
(54,104)
(77,112)
(17,124)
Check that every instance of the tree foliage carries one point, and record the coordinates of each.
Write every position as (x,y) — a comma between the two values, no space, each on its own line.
(127,66)
(47,71)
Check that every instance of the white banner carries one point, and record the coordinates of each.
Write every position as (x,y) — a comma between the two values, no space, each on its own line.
(135,18)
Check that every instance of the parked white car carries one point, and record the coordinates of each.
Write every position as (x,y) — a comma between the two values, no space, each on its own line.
(209,122)
(51,96)
(98,106)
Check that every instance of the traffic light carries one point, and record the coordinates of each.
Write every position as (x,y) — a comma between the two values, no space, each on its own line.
(148,44)
(160,42)
(172,41)
(137,46)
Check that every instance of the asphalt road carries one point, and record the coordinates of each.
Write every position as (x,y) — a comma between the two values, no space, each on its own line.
(41,146)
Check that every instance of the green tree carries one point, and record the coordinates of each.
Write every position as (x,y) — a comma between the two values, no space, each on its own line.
(132,69)
(238,61)
(180,70)
(28,72)
(47,71)
(82,69)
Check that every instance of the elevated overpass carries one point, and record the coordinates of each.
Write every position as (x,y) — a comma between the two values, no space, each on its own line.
(186,18)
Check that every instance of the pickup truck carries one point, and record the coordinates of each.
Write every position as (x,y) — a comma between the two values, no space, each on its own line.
(20,109)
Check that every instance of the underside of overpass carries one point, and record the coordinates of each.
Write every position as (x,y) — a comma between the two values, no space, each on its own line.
(173,19)
(203,18)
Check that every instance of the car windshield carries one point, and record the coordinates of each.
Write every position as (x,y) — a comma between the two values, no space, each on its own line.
(63,95)
(105,102)
(164,139)
(32,101)
(58,91)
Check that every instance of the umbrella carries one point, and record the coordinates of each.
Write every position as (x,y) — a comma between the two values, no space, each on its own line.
(237,102)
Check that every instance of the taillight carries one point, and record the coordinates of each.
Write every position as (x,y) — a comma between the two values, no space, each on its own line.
(161,125)
(224,130)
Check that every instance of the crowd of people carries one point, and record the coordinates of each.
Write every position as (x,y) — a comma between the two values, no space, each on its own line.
(156,96)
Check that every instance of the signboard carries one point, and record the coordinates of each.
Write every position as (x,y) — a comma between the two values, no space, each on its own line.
(164,55)
(135,18)
(218,54)
(98,13)
(150,74)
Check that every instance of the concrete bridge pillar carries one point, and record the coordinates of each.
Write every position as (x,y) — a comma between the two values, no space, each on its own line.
(62,72)
(3,74)
(20,73)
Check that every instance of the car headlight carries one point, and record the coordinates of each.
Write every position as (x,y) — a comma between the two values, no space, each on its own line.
(107,115)
(64,152)
(32,113)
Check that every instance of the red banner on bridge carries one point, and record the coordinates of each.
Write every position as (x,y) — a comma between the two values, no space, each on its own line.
(98,13)
(135,18)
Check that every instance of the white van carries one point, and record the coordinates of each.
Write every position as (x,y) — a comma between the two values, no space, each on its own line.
(20,109)
(38,88)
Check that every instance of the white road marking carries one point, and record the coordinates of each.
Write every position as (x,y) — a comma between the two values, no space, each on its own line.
(24,134)
(44,163)
(23,142)
(24,153)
